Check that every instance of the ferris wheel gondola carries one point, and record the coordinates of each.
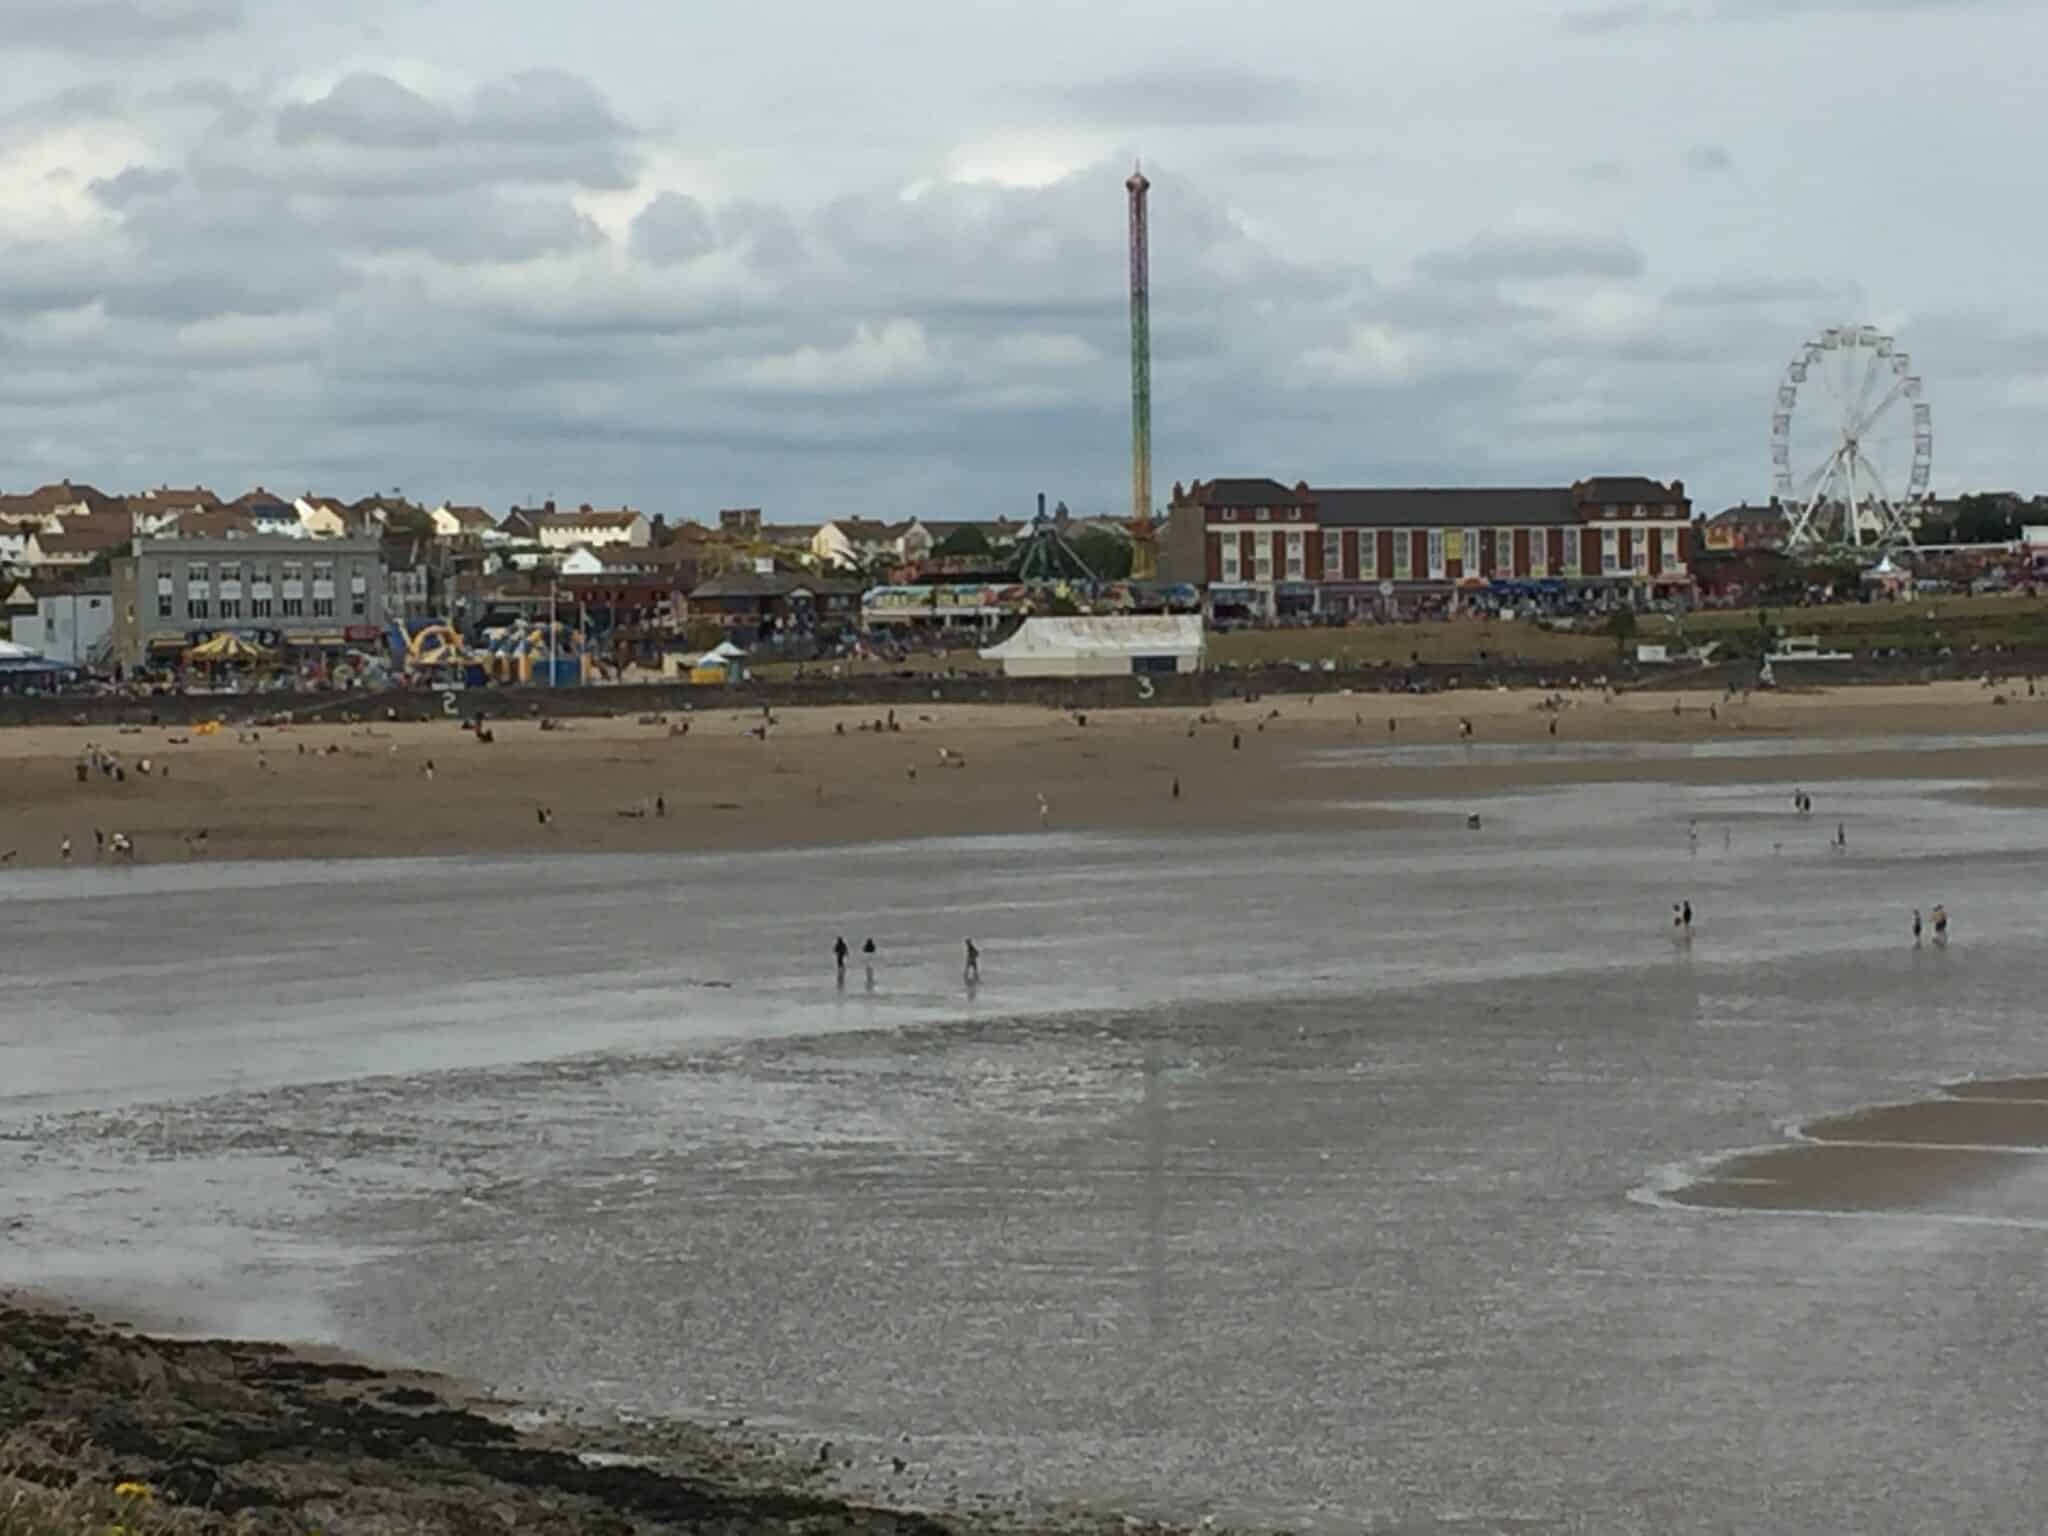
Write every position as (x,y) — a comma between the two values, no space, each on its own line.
(1852,443)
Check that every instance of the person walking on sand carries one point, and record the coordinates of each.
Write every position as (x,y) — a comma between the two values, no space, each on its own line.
(1916,927)
(1841,838)
(1686,919)
(1940,924)
(839,954)
(973,972)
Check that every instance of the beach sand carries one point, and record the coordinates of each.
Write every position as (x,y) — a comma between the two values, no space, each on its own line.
(364,790)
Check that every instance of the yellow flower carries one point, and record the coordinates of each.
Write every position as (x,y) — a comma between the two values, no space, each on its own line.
(142,1493)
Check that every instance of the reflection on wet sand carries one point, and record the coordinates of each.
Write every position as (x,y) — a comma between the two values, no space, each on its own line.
(1974,1153)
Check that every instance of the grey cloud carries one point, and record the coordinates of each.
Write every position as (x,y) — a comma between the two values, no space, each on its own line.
(1709,160)
(133,185)
(372,134)
(1508,258)
(543,105)
(1601,170)
(672,229)
(465,229)
(1597,21)
(96,101)
(102,27)
(1777,9)
(1751,292)
(1193,97)
(367,111)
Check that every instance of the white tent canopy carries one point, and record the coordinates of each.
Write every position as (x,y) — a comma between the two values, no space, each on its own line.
(1101,647)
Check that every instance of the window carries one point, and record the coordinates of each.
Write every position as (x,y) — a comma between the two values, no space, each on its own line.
(1230,514)
(259,574)
(323,607)
(1504,551)
(163,605)
(1610,551)
(196,607)
(196,574)
(1639,552)
(231,607)
(1570,567)
(292,571)
(1333,554)
(1297,566)
(231,573)
(295,607)
(1230,561)
(1436,553)
(1368,554)
(1474,552)
(1404,554)
(1262,558)
(1641,510)
(1672,562)
(323,571)
(1264,514)
(1294,514)
(1610,510)
(357,604)
(1539,552)
(259,607)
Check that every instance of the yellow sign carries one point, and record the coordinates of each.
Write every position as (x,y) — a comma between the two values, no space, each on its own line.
(1454,544)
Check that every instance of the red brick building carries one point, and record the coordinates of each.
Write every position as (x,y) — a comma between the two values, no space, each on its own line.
(1262,546)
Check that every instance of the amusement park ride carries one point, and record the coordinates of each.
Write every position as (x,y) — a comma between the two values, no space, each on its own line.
(515,653)
(1852,444)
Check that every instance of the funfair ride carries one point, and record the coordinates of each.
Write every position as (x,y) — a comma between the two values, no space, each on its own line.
(1852,444)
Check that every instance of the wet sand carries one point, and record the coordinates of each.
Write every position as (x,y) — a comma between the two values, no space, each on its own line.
(1980,1151)
(818,778)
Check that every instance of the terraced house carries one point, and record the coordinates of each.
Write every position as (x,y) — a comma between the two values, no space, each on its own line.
(1271,550)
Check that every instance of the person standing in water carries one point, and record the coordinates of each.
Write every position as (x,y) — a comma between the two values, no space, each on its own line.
(973,963)
(1916,927)
(1940,924)
(839,954)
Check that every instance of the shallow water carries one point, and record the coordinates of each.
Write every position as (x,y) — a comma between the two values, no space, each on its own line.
(1310,1179)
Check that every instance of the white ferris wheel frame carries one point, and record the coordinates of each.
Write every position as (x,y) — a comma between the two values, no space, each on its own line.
(1844,499)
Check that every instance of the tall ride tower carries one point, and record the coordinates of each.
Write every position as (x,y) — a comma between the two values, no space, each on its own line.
(1144,551)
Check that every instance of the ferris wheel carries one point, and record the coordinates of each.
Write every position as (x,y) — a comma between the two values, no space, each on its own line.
(1852,442)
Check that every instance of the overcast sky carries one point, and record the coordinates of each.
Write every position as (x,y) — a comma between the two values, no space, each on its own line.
(831,259)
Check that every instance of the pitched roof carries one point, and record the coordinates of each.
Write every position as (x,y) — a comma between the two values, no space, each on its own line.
(46,499)
(227,522)
(471,517)
(261,503)
(1446,507)
(1628,488)
(1229,492)
(83,537)
(165,496)
(584,517)
(1745,513)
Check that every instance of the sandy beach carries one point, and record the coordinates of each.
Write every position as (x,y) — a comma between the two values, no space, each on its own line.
(825,776)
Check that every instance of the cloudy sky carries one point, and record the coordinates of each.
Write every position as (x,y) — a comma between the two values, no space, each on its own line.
(830,258)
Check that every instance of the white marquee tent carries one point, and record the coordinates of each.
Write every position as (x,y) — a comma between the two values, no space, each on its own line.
(1104,647)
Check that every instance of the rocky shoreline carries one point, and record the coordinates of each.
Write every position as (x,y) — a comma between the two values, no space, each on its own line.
(262,1437)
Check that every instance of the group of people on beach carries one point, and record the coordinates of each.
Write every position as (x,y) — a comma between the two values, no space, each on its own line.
(970,973)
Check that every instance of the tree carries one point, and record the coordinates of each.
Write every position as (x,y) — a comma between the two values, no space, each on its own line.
(1108,556)
(1623,627)
(1986,519)
(966,541)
